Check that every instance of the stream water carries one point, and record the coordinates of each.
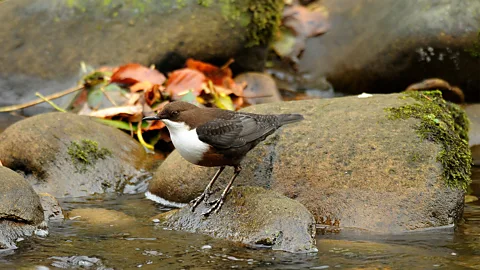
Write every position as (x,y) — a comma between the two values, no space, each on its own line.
(134,241)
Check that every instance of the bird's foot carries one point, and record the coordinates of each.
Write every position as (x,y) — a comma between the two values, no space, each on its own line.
(195,202)
(216,205)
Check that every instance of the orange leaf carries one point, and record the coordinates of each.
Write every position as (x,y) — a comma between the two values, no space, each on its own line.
(153,94)
(140,86)
(183,80)
(219,76)
(133,73)
(156,125)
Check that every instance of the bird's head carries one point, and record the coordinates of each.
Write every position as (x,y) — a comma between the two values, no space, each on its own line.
(172,111)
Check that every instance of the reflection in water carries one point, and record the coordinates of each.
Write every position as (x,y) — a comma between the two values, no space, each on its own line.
(131,240)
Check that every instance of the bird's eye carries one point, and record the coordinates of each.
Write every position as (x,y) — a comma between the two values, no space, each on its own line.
(175,113)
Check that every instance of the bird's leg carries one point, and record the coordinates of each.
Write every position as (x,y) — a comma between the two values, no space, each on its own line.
(206,193)
(217,204)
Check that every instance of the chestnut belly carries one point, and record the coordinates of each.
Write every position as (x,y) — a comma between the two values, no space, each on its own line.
(221,157)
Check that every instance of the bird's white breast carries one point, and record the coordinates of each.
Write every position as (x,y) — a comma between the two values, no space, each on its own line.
(186,141)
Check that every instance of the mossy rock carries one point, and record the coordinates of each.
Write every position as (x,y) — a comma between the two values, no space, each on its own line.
(253,216)
(20,208)
(65,154)
(350,163)
(58,36)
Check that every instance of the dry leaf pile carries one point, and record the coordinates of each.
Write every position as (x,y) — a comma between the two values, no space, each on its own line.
(122,96)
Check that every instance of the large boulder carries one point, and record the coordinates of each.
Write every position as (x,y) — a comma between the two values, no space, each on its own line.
(366,49)
(45,53)
(65,154)
(253,216)
(20,210)
(387,163)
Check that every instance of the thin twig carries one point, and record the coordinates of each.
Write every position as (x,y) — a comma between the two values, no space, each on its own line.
(38,101)
(131,128)
(228,63)
(259,96)
(108,97)
(49,102)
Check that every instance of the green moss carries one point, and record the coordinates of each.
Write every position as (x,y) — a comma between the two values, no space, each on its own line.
(181,3)
(443,123)
(86,153)
(266,17)
(475,49)
(262,18)
(205,3)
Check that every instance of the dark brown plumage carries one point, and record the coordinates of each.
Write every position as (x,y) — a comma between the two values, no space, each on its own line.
(229,136)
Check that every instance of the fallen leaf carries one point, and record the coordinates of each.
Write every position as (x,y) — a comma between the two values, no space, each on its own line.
(189,97)
(285,44)
(223,101)
(133,73)
(153,94)
(118,111)
(156,125)
(133,98)
(183,80)
(219,76)
(118,124)
(450,93)
(140,86)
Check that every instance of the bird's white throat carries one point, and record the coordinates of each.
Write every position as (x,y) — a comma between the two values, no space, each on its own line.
(186,141)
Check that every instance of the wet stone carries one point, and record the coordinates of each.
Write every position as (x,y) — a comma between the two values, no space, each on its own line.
(261,88)
(67,155)
(20,210)
(366,49)
(351,163)
(253,216)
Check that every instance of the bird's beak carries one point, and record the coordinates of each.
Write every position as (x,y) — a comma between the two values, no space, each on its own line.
(155,117)
(159,116)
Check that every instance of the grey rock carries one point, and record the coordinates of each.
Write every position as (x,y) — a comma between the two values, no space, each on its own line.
(253,216)
(367,49)
(44,42)
(51,207)
(20,208)
(258,84)
(65,154)
(347,162)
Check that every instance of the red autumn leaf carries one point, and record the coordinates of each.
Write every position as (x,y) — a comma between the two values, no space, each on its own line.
(156,125)
(219,76)
(133,73)
(185,79)
(153,94)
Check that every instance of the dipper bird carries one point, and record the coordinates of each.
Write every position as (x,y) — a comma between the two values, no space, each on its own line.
(217,138)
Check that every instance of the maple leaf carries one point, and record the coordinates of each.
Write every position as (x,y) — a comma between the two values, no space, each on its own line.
(182,80)
(133,73)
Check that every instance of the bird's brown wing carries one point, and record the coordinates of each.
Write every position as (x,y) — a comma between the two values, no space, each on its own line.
(236,131)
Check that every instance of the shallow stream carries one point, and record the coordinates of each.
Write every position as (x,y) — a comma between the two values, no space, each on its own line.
(134,241)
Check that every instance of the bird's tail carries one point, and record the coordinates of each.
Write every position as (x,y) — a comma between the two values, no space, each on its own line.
(289,118)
